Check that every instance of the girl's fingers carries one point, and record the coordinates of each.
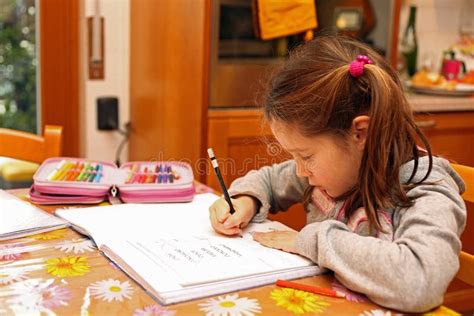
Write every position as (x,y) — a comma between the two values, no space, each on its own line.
(235,220)
(222,210)
(219,227)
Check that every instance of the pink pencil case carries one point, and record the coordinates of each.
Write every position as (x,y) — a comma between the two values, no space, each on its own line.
(63,180)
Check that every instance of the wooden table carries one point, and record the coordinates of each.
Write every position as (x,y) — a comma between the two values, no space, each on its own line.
(62,272)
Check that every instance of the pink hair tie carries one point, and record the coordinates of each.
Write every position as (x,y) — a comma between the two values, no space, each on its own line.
(356,67)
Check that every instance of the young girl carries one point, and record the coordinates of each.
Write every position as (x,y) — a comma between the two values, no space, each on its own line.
(340,111)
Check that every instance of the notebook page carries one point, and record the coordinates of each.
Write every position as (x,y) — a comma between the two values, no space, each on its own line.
(141,220)
(196,260)
(18,218)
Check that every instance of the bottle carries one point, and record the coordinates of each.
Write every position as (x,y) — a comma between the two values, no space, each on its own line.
(409,45)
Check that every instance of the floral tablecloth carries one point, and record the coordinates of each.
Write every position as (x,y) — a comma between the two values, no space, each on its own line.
(62,272)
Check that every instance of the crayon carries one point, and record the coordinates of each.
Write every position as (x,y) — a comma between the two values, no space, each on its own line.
(310,288)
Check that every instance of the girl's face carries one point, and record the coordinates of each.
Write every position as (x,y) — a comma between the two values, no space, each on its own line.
(329,164)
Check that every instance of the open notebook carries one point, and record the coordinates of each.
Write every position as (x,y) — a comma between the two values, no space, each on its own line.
(19,219)
(172,251)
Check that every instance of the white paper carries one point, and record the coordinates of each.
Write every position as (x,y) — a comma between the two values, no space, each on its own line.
(18,218)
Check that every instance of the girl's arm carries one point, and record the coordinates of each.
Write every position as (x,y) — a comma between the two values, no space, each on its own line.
(412,272)
(276,187)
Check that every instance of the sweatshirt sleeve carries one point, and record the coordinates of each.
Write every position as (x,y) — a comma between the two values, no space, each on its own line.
(277,187)
(411,273)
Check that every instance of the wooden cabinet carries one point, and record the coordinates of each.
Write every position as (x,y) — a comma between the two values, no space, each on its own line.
(169,75)
(450,134)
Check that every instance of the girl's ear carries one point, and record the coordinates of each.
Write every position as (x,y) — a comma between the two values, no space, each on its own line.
(359,130)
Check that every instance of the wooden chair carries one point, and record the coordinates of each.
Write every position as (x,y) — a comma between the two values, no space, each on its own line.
(30,147)
(461,300)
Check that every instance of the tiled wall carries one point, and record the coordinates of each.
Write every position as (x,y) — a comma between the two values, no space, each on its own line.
(437,25)
(103,144)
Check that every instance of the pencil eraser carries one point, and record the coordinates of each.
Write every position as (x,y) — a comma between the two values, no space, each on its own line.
(210,152)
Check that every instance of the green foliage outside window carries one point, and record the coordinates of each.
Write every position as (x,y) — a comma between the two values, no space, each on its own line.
(18,62)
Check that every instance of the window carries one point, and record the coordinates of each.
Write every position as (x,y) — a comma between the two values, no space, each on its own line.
(18,60)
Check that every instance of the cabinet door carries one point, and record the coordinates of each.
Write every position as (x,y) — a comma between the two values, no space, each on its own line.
(242,142)
(451,135)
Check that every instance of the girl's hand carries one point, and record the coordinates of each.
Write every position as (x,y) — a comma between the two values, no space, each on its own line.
(283,240)
(223,222)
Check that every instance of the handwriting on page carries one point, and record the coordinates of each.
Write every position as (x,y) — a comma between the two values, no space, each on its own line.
(195,260)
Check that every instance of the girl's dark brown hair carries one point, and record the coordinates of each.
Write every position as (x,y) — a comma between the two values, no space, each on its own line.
(315,92)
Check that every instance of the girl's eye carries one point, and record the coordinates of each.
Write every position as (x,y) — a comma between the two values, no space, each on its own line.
(305,158)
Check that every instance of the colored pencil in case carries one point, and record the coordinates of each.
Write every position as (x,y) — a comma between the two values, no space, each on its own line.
(150,176)
(310,288)
(136,175)
(165,174)
(82,173)
(144,175)
(131,173)
(160,174)
(155,174)
(55,171)
(93,173)
(70,173)
(170,174)
(88,174)
(62,174)
(99,173)
(77,172)
(85,173)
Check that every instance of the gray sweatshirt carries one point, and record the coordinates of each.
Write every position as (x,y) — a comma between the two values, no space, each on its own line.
(410,267)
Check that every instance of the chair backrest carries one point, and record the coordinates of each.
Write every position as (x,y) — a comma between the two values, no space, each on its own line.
(466,269)
(31,147)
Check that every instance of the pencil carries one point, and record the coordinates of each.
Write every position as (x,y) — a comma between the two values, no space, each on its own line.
(215,165)
(310,288)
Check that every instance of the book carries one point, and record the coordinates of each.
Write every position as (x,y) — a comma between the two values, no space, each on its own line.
(173,252)
(19,218)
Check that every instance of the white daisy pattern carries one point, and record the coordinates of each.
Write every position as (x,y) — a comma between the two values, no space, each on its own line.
(38,296)
(230,305)
(111,290)
(12,275)
(76,246)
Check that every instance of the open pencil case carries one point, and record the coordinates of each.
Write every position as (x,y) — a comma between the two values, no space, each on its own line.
(63,180)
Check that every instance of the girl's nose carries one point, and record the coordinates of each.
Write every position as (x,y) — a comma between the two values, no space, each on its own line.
(301,170)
